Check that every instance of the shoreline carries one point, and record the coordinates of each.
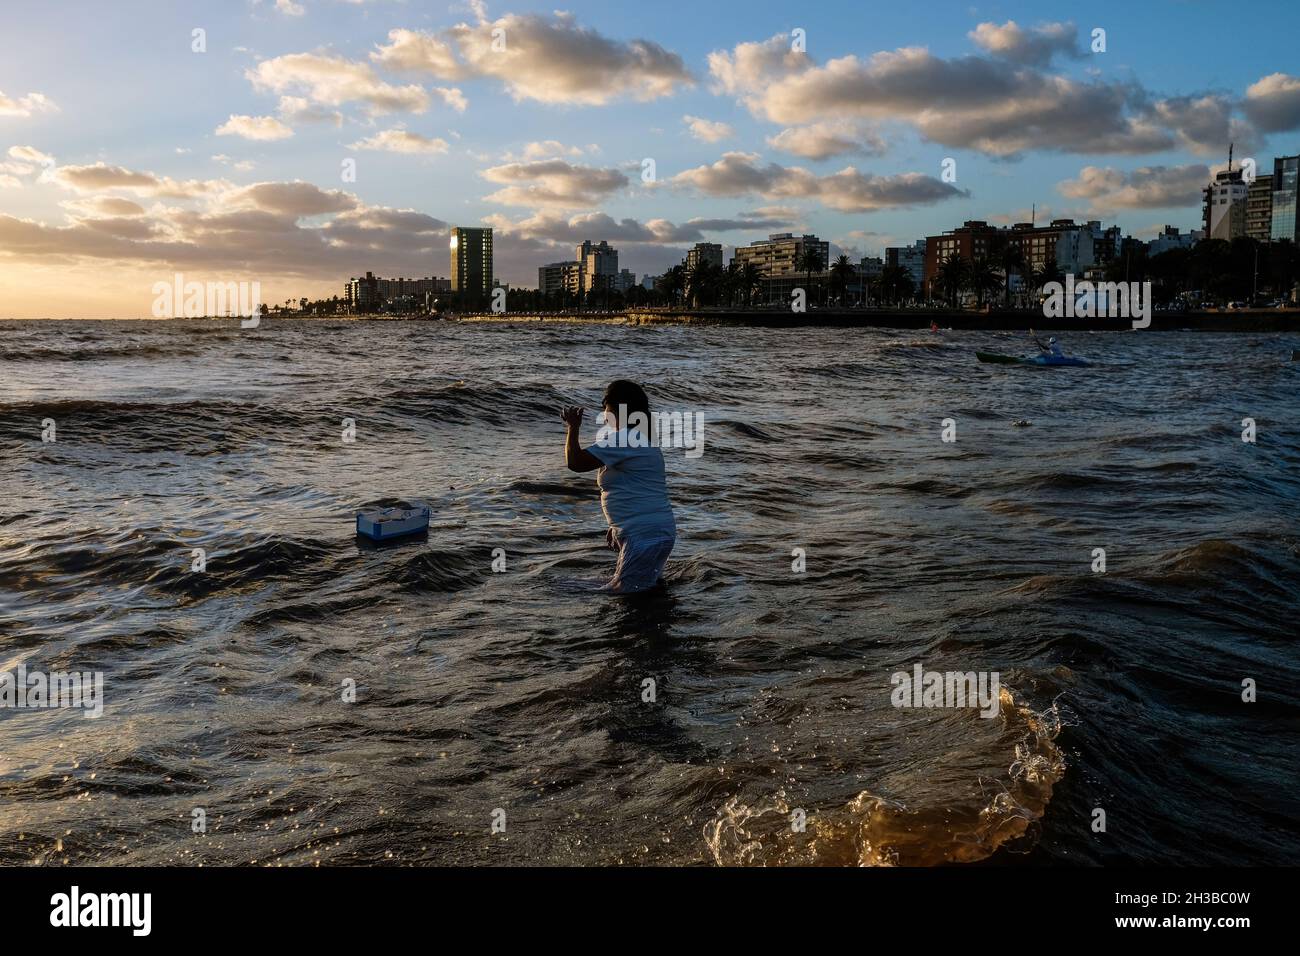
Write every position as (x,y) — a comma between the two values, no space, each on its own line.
(1270,320)
(1245,320)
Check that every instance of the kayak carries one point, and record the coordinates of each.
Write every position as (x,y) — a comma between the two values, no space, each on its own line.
(997,359)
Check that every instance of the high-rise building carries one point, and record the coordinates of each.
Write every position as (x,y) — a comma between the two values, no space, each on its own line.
(599,263)
(1223,212)
(1107,243)
(1259,207)
(560,278)
(779,254)
(471,260)
(911,258)
(704,252)
(625,280)
(395,288)
(972,240)
(1286,179)
(362,294)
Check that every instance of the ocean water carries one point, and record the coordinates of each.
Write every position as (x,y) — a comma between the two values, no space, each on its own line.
(518,699)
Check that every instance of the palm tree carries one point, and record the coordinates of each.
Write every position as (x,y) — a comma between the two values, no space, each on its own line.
(674,282)
(952,278)
(1010,259)
(841,272)
(894,284)
(981,277)
(703,283)
(731,282)
(810,261)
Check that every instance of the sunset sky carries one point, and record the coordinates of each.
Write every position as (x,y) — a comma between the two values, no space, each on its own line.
(126,156)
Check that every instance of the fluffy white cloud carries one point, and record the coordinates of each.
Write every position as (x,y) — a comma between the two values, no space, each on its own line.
(295,199)
(547,149)
(551,60)
(30,154)
(826,139)
(1034,46)
(254,127)
(708,131)
(299,109)
(25,105)
(335,81)
(553,183)
(564,231)
(1204,124)
(1273,102)
(990,104)
(1148,187)
(412,51)
(402,141)
(849,190)
(100,177)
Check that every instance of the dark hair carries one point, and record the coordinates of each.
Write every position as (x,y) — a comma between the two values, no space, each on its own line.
(623,392)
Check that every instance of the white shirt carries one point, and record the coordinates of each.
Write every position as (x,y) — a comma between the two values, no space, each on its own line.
(633,487)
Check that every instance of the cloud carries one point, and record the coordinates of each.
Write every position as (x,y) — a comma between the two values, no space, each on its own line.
(289,8)
(988,104)
(708,131)
(1036,46)
(1148,187)
(243,165)
(254,127)
(25,105)
(402,141)
(750,66)
(101,177)
(1273,102)
(109,206)
(412,51)
(561,230)
(550,60)
(827,139)
(452,97)
(739,174)
(335,81)
(30,154)
(1204,124)
(299,109)
(242,240)
(295,199)
(546,149)
(553,183)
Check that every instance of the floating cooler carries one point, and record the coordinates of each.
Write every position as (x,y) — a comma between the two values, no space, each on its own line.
(389,523)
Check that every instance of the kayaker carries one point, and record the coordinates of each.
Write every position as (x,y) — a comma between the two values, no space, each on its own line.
(1052,348)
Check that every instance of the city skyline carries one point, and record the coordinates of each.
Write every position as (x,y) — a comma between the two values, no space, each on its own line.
(307,142)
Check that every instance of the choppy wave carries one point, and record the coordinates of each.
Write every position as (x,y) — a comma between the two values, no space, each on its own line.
(871,830)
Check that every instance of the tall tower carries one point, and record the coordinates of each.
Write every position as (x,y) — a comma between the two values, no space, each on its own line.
(471,260)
